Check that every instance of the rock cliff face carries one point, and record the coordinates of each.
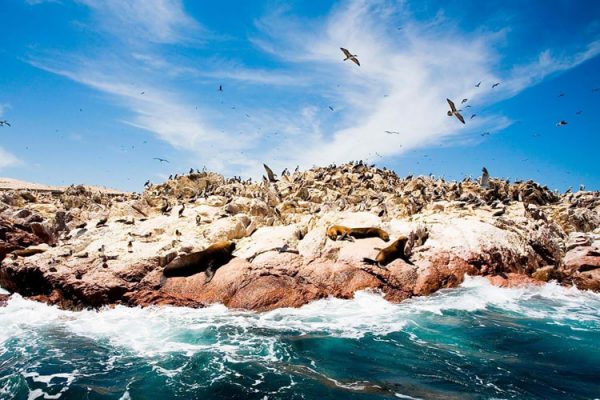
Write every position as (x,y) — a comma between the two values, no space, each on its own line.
(80,248)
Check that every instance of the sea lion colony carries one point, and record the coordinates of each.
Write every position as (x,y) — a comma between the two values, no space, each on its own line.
(58,223)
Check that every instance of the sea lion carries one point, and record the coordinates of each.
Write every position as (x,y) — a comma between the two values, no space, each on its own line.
(390,253)
(208,260)
(361,233)
(343,232)
(338,231)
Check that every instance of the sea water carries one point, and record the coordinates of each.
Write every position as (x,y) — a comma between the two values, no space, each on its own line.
(474,342)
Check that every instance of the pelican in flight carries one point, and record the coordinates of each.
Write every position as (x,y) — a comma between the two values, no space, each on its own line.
(454,112)
(350,56)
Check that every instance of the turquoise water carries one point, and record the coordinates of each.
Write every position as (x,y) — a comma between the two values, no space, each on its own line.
(474,342)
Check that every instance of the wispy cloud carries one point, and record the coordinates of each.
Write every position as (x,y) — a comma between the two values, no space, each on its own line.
(8,160)
(3,108)
(158,21)
(402,84)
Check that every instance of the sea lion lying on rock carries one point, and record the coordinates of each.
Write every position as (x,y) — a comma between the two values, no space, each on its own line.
(390,253)
(340,232)
(207,260)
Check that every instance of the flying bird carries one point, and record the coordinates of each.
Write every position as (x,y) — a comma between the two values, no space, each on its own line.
(478,84)
(495,84)
(473,116)
(392,132)
(596,89)
(562,123)
(220,88)
(485,134)
(350,56)
(160,159)
(270,173)
(331,108)
(464,101)
(142,92)
(561,95)
(578,112)
(5,122)
(454,112)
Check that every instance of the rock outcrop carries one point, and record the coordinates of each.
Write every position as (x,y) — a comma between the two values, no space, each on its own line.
(80,249)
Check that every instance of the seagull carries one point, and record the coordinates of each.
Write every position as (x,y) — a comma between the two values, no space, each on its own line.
(464,101)
(349,56)
(495,84)
(562,123)
(5,122)
(392,132)
(485,178)
(473,116)
(160,159)
(331,108)
(270,173)
(478,84)
(453,111)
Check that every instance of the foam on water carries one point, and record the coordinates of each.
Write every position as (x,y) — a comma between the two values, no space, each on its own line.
(153,330)
(220,344)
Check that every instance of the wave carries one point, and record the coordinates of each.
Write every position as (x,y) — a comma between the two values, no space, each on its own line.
(153,330)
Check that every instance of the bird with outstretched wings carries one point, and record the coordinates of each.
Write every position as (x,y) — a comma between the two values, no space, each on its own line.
(350,56)
(454,111)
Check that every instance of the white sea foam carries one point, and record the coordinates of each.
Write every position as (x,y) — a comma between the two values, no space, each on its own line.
(240,335)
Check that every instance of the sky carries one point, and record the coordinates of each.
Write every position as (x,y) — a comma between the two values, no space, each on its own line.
(94,90)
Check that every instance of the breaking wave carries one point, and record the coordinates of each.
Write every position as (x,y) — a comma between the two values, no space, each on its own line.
(472,342)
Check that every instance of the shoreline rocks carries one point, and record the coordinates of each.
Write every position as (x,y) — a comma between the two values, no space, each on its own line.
(82,249)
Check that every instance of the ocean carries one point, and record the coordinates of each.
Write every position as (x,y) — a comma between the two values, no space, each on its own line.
(474,342)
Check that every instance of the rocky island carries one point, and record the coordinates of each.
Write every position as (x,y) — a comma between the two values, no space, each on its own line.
(81,247)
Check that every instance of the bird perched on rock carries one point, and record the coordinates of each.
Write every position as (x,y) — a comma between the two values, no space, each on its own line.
(130,246)
(270,173)
(350,56)
(485,178)
(102,222)
(454,112)
(181,211)
(147,183)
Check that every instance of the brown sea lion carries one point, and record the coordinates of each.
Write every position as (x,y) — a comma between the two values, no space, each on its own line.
(361,233)
(340,232)
(207,260)
(390,253)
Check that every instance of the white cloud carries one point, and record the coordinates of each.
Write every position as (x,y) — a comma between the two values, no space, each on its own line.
(7,159)
(158,21)
(402,84)
(3,108)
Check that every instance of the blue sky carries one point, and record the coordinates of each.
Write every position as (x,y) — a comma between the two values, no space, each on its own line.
(94,89)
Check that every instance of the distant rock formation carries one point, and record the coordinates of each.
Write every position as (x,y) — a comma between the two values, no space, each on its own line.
(52,248)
